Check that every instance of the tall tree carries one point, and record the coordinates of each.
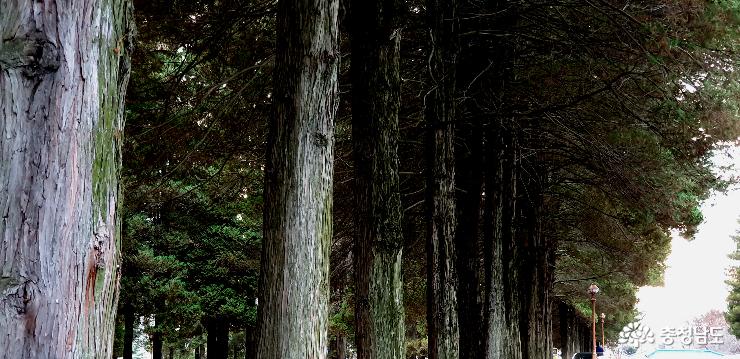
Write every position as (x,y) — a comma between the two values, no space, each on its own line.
(376,82)
(64,68)
(442,320)
(294,283)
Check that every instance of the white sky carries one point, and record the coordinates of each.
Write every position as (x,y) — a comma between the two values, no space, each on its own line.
(696,270)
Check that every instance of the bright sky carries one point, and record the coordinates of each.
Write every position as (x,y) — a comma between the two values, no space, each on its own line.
(696,270)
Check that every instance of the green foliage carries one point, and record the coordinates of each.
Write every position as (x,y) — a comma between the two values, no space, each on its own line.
(733,299)
(192,173)
(342,316)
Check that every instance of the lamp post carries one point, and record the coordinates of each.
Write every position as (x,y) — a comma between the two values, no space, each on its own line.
(603,340)
(593,289)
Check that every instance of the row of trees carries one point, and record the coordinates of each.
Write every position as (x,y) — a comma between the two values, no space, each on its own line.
(489,159)
(467,166)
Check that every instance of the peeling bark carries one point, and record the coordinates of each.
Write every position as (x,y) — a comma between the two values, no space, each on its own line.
(64,68)
(293,305)
(376,86)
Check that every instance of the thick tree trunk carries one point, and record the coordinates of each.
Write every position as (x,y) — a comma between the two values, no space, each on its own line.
(376,82)
(64,68)
(129,321)
(502,303)
(442,321)
(293,307)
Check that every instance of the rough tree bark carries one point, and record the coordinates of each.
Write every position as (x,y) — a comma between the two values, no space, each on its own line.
(442,321)
(293,307)
(376,83)
(503,304)
(64,68)
(501,301)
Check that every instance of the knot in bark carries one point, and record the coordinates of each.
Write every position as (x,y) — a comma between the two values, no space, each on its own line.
(34,54)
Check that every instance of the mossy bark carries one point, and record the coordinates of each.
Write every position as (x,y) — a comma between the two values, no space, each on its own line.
(376,83)
(64,68)
(293,304)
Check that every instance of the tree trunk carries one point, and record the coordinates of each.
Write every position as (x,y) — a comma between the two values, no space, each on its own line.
(64,68)
(342,347)
(249,348)
(129,319)
(197,352)
(211,339)
(157,345)
(501,302)
(293,307)
(532,268)
(223,340)
(376,83)
(443,330)
(574,333)
(469,161)
(217,338)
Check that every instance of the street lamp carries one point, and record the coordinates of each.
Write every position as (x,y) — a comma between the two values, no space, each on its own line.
(603,340)
(593,289)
